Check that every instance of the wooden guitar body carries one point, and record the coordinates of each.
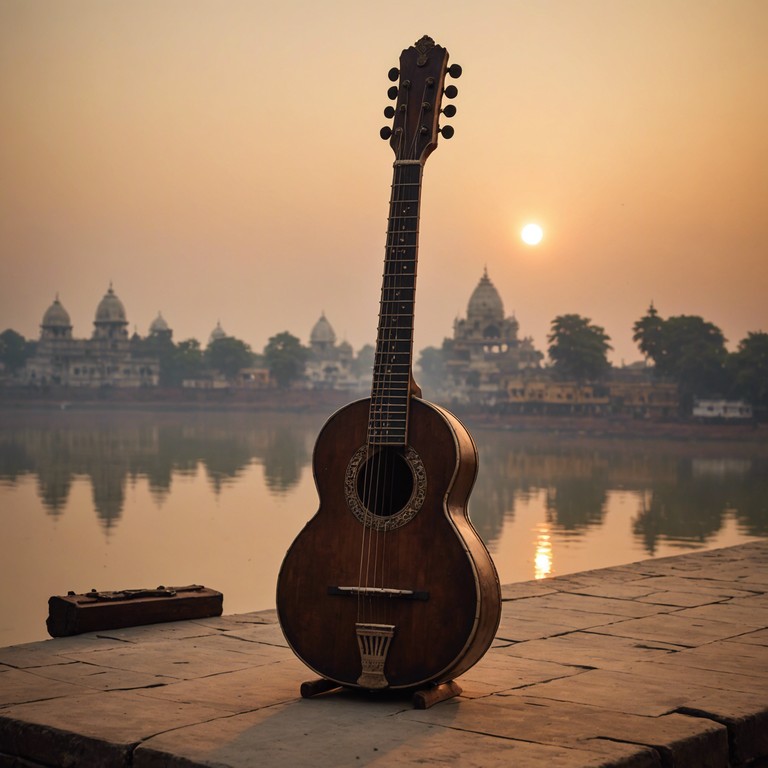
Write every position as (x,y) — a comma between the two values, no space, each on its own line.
(389,585)
(414,565)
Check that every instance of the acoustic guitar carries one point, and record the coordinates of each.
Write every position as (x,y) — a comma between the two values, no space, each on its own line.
(389,585)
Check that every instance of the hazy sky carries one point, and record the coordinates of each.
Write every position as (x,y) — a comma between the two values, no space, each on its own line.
(220,161)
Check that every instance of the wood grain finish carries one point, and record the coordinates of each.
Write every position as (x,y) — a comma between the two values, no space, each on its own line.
(389,585)
(438,552)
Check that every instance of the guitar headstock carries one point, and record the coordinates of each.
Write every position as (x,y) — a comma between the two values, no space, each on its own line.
(418,99)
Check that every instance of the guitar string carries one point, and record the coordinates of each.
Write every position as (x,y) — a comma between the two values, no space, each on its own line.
(380,464)
(393,365)
(387,393)
(372,467)
(405,220)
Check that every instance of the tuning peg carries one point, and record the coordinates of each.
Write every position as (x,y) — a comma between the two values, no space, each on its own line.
(394,73)
(392,92)
(447,131)
(449,110)
(385,132)
(389,112)
(451,92)
(455,71)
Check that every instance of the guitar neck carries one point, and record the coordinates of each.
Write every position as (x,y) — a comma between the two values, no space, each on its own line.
(390,392)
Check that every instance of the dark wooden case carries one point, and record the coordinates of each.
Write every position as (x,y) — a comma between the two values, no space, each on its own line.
(73,614)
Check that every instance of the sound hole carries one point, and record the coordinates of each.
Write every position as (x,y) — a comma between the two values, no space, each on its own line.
(385,483)
(385,490)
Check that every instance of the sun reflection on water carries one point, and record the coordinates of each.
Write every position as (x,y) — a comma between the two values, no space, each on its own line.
(542,560)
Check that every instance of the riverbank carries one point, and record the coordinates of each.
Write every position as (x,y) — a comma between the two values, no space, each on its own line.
(17,405)
(648,665)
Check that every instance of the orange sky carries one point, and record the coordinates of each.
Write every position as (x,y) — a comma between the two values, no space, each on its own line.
(221,161)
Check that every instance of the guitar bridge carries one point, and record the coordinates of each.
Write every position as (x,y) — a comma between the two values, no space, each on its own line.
(404,594)
(373,641)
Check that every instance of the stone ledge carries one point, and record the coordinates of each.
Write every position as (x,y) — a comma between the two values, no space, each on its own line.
(650,665)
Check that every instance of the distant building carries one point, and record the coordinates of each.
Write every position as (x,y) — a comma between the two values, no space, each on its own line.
(330,365)
(547,396)
(485,350)
(216,334)
(722,410)
(104,360)
(159,328)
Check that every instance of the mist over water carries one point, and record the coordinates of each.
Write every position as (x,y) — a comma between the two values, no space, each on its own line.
(137,499)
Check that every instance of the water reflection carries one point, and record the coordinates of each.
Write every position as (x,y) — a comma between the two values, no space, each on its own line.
(542,560)
(683,493)
(112,451)
(135,499)
(693,504)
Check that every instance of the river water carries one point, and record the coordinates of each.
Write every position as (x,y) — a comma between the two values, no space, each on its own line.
(115,500)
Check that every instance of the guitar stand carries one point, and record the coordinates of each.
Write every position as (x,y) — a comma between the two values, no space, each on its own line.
(423,698)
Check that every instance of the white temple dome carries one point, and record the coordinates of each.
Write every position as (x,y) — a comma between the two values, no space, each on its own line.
(110,309)
(323,333)
(159,325)
(56,316)
(485,301)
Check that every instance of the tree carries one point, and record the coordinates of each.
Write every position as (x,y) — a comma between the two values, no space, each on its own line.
(185,362)
(285,357)
(578,349)
(362,365)
(748,369)
(432,366)
(688,350)
(228,355)
(648,331)
(14,350)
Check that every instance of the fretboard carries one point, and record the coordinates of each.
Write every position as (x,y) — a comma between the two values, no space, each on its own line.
(390,393)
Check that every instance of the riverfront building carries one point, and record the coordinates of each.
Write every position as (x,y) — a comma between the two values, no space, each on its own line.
(485,350)
(107,359)
(331,365)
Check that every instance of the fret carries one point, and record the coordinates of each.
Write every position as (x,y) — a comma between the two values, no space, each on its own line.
(403,370)
(390,389)
(383,401)
(389,360)
(380,376)
(395,333)
(384,412)
(394,293)
(390,385)
(397,259)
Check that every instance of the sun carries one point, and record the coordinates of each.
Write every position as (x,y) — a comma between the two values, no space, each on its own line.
(531,234)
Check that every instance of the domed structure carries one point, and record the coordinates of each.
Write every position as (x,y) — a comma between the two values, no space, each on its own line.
(345,351)
(159,327)
(485,350)
(322,337)
(217,333)
(56,322)
(330,364)
(110,309)
(110,322)
(56,315)
(107,359)
(485,302)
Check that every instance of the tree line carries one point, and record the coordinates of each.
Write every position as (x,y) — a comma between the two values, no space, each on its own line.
(683,349)
(284,356)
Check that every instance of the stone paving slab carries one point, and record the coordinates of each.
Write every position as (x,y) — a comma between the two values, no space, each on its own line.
(675,628)
(691,740)
(344,731)
(657,664)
